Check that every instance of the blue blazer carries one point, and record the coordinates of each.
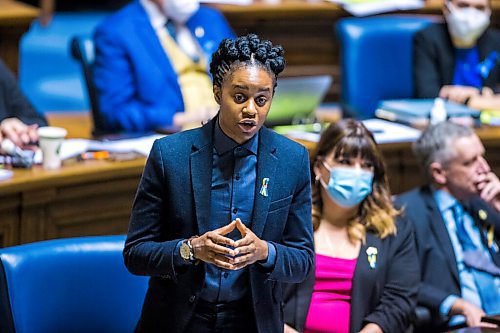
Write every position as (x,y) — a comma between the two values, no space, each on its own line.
(173,203)
(136,83)
(438,266)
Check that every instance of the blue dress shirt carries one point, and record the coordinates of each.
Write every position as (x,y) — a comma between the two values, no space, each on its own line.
(445,202)
(234,171)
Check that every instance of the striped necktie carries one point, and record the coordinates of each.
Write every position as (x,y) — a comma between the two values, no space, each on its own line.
(479,264)
(171,28)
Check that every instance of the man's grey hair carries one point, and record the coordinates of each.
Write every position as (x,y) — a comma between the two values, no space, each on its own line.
(436,145)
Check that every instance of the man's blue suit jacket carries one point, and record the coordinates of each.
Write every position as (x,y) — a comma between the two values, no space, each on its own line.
(136,83)
(438,266)
(173,203)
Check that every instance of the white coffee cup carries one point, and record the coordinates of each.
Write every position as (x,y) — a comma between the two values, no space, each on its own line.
(50,140)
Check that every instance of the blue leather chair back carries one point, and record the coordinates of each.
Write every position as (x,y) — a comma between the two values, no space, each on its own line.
(376,59)
(69,285)
(82,49)
(48,75)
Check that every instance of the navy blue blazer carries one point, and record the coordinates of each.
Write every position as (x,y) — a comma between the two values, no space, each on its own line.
(173,203)
(434,59)
(136,83)
(386,295)
(439,272)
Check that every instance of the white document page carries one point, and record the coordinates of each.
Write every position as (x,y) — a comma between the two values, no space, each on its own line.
(371,7)
(384,132)
(229,2)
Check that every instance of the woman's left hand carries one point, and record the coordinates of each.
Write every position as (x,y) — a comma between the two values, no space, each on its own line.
(250,248)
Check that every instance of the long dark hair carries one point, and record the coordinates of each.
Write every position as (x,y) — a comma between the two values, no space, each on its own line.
(350,138)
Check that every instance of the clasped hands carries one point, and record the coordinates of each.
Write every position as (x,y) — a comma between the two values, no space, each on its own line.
(215,248)
(463,94)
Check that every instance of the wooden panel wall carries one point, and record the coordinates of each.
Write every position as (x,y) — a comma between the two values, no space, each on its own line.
(15,18)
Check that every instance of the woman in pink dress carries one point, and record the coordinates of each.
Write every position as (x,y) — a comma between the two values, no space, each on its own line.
(366,273)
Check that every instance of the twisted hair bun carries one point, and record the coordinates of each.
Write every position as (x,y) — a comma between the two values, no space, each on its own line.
(247,49)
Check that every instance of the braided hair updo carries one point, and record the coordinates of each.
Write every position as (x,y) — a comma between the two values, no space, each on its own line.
(246,50)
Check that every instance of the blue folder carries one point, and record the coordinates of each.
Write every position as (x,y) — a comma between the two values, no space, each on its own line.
(414,110)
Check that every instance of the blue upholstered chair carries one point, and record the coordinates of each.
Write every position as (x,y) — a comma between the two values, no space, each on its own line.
(82,49)
(48,75)
(69,285)
(376,59)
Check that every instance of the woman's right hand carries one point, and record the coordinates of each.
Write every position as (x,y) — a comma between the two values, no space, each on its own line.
(289,329)
(18,132)
(212,247)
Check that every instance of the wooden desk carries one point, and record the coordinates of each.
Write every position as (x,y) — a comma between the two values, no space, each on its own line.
(78,124)
(305,28)
(95,197)
(15,19)
(88,198)
(80,199)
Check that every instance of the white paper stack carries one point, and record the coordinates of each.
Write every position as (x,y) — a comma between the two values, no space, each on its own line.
(229,2)
(73,147)
(372,7)
(383,131)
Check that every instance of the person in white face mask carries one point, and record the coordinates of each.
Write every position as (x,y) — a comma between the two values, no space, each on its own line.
(367,272)
(459,59)
(151,65)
